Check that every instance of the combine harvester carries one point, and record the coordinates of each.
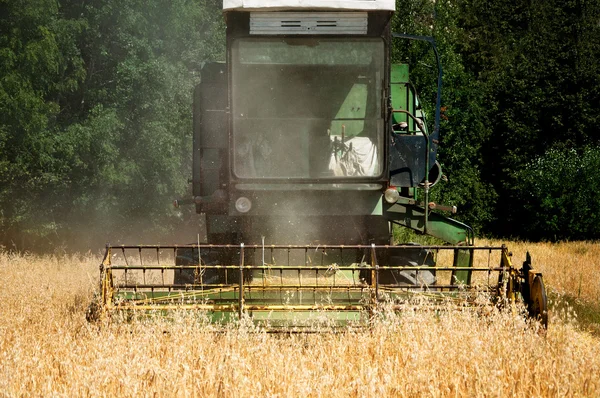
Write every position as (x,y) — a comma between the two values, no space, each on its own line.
(309,146)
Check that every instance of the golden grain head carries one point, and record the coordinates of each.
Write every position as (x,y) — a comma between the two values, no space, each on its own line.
(48,349)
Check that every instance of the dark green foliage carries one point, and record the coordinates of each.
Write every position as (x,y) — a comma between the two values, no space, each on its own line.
(540,90)
(520,77)
(559,195)
(96,130)
(39,68)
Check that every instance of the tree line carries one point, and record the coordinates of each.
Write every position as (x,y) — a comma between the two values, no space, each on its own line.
(522,98)
(95,105)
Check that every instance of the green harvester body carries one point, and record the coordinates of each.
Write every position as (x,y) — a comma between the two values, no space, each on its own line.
(309,146)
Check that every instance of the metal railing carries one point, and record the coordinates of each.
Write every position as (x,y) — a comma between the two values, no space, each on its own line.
(246,278)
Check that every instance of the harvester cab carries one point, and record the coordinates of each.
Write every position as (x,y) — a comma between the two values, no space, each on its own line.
(308,146)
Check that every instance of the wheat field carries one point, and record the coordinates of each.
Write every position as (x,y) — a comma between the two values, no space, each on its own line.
(48,349)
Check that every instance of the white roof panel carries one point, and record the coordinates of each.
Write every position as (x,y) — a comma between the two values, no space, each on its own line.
(258,5)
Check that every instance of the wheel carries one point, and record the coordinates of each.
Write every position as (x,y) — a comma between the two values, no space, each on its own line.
(538,301)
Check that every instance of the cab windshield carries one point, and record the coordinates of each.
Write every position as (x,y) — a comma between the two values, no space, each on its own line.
(307,107)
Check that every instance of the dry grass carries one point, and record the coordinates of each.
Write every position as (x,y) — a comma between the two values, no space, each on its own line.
(48,349)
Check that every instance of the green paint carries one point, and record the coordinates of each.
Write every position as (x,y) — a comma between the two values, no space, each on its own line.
(403,98)
(463,258)
(353,107)
(438,226)
(398,91)
(441,227)
(399,73)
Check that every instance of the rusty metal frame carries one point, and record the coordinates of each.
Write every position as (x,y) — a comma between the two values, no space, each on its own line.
(197,296)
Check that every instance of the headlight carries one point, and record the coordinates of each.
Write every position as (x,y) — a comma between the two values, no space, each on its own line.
(391,195)
(243,204)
